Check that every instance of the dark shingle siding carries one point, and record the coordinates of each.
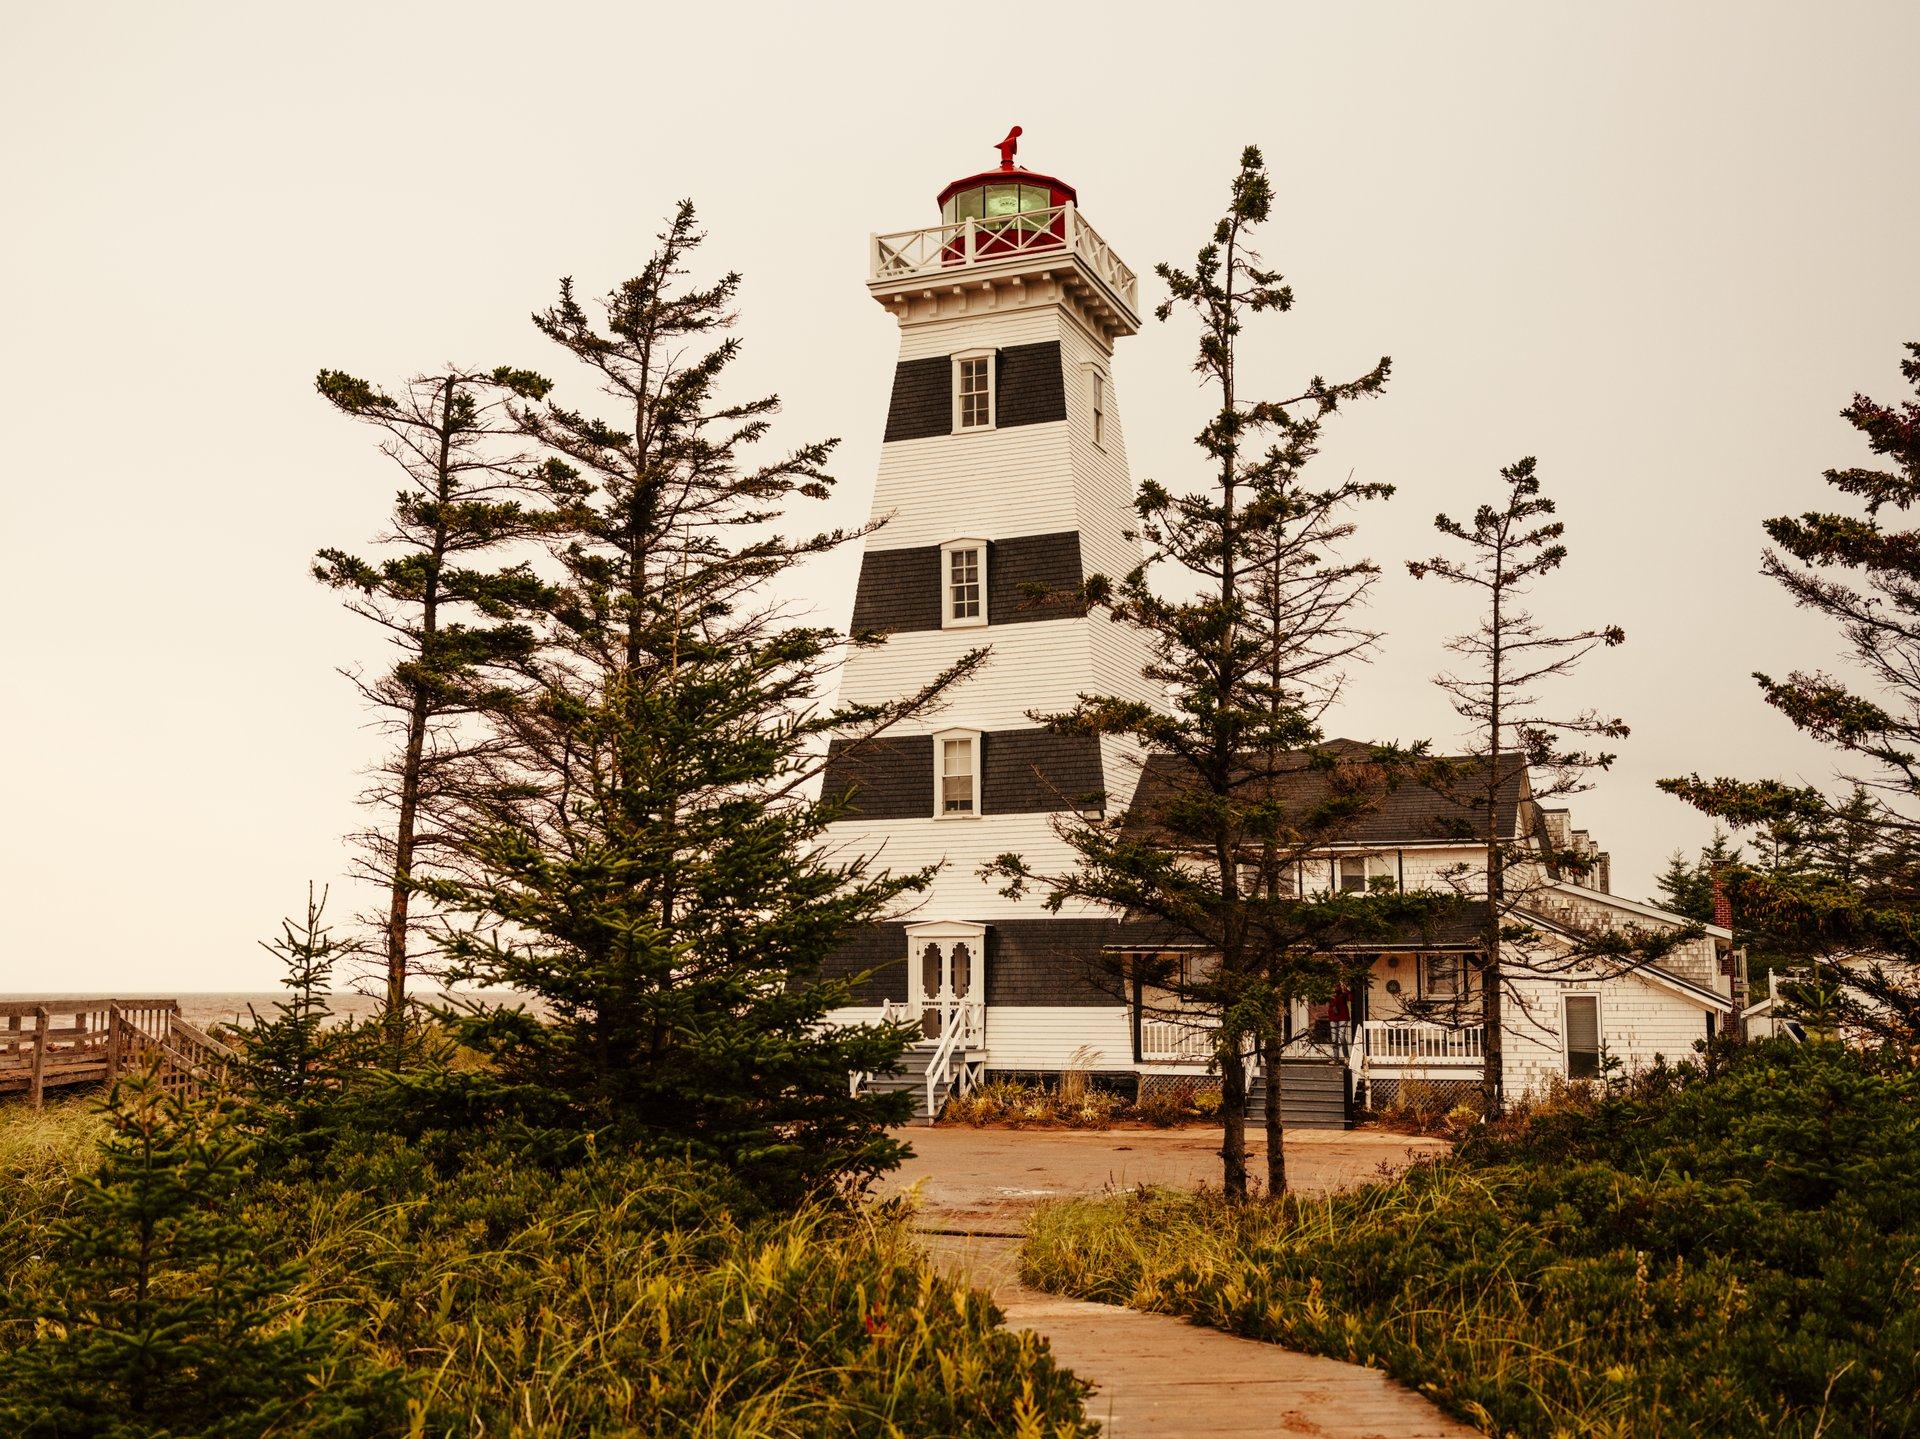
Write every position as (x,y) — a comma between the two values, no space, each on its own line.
(922,399)
(1015,566)
(886,778)
(1029,962)
(1023,772)
(1030,388)
(1035,771)
(899,590)
(880,947)
(1051,962)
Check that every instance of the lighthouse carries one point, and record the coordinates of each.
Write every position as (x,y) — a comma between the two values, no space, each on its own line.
(1002,485)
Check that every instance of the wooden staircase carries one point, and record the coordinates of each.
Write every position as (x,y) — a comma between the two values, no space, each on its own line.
(57,1043)
(913,1079)
(1314,1094)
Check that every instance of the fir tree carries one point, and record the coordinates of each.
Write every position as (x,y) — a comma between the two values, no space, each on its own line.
(1840,875)
(650,864)
(296,1062)
(1508,545)
(168,1315)
(1250,662)
(446,602)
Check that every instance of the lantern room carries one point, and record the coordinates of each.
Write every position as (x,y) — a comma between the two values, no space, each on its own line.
(1005,193)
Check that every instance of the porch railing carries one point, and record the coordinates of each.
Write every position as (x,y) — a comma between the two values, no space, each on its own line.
(1386,1042)
(941,249)
(1175,1041)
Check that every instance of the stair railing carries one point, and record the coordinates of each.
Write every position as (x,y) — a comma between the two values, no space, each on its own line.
(940,1067)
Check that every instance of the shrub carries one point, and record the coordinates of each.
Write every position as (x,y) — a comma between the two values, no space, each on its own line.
(623,1295)
(1724,1254)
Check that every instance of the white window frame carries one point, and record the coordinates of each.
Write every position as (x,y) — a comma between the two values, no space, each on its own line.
(948,619)
(1097,404)
(940,741)
(1599,1034)
(993,391)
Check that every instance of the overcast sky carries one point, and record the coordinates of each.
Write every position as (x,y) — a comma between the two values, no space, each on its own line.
(1656,246)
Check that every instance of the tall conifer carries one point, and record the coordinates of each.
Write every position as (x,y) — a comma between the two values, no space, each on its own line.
(1508,545)
(447,602)
(1250,662)
(1840,872)
(651,862)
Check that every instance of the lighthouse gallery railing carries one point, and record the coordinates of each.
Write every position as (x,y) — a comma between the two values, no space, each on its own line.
(944,249)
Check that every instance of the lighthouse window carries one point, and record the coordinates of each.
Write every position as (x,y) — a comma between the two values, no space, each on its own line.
(963,583)
(957,774)
(973,391)
(1099,384)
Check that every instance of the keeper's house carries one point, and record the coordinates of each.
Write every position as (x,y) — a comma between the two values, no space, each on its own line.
(1003,476)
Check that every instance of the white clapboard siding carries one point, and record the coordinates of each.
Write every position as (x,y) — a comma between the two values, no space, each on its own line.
(1641,1020)
(1054,1037)
(997,323)
(957,891)
(989,484)
(1040,667)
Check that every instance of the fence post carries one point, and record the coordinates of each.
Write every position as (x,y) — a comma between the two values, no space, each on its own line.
(114,1023)
(37,1084)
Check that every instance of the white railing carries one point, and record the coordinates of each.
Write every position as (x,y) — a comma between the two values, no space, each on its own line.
(941,249)
(1390,1042)
(1175,1041)
(962,1030)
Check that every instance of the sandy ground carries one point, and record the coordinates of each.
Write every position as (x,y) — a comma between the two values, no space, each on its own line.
(984,1180)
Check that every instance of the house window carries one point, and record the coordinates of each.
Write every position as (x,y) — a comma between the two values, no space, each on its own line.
(1442,976)
(1583,1036)
(963,583)
(956,780)
(1353,875)
(973,391)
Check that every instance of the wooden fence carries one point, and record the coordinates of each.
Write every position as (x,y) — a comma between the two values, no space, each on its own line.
(51,1043)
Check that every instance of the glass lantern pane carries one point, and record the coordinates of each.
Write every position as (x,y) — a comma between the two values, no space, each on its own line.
(966,205)
(1002,200)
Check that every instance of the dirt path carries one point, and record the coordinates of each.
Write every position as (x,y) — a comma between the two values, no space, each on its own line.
(1156,1377)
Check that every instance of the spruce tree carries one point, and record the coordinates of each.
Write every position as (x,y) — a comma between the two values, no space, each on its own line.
(169,1316)
(1839,877)
(1250,661)
(296,1062)
(441,589)
(1508,545)
(650,864)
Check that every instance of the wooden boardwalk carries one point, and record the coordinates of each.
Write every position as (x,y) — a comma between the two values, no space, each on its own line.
(1158,1377)
(58,1043)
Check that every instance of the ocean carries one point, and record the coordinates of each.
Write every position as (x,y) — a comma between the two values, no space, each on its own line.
(233,1006)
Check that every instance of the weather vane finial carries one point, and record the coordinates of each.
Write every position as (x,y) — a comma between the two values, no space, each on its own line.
(1008,147)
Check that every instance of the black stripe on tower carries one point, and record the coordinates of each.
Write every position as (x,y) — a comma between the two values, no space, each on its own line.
(1029,961)
(1027,771)
(1029,577)
(1030,388)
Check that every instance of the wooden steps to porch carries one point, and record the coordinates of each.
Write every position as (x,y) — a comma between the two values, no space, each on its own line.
(60,1043)
(1314,1094)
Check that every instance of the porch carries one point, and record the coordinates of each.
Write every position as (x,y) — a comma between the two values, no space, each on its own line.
(1375,1048)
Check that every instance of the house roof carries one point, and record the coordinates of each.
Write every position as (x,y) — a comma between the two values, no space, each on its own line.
(1435,801)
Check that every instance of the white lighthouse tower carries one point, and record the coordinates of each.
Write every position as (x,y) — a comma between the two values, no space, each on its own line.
(1003,478)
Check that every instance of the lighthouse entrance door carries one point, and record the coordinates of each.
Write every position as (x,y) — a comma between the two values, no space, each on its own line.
(946,981)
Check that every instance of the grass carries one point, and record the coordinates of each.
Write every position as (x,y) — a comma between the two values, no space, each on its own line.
(1728,1254)
(609,1295)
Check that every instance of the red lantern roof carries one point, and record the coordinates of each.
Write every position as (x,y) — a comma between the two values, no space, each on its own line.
(1009,173)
